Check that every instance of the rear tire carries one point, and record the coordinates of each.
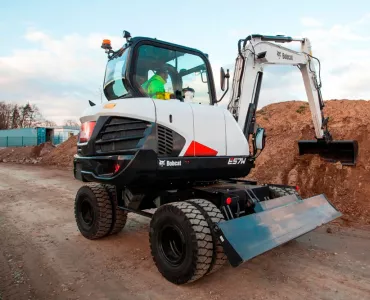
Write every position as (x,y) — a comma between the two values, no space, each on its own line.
(119,216)
(93,211)
(181,242)
(212,215)
(276,192)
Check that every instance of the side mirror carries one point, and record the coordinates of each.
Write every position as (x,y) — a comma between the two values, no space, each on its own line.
(222,78)
(260,139)
(91,103)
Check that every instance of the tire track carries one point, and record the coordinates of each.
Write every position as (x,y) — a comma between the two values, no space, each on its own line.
(37,226)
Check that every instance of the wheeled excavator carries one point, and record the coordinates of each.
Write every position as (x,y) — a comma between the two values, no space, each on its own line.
(163,148)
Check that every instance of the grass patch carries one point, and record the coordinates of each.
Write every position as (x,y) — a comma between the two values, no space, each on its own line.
(18,277)
(301,109)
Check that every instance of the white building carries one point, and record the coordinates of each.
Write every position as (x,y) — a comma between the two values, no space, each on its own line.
(63,133)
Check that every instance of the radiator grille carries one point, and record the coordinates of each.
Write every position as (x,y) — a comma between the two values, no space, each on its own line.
(120,134)
(165,141)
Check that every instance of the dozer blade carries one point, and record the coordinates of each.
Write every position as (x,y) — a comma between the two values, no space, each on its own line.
(249,236)
(344,151)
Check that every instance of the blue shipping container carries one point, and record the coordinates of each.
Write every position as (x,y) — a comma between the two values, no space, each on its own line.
(22,137)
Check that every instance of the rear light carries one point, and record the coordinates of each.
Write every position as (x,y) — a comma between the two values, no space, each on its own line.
(86,131)
(117,167)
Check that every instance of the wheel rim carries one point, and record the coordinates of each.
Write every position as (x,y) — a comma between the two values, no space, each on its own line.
(86,213)
(172,244)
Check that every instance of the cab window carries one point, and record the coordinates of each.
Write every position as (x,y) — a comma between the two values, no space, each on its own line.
(115,83)
(168,74)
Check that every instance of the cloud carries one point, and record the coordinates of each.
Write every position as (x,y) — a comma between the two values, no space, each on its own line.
(343,53)
(59,75)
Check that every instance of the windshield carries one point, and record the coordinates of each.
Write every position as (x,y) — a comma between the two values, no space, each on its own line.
(169,74)
(115,83)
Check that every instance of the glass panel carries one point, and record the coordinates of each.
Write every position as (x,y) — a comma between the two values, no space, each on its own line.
(192,69)
(115,81)
(167,74)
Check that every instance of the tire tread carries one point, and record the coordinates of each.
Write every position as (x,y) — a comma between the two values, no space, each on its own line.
(214,215)
(104,208)
(201,240)
(281,191)
(119,216)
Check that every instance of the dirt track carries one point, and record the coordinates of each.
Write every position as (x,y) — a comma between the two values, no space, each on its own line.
(42,255)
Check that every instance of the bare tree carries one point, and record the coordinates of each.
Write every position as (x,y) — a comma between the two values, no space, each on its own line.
(49,123)
(72,123)
(26,112)
(30,116)
(36,118)
(5,115)
(14,116)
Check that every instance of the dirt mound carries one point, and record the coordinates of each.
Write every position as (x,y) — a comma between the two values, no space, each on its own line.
(46,154)
(42,149)
(63,154)
(346,187)
(31,154)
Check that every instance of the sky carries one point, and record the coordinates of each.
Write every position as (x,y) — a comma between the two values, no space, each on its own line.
(50,51)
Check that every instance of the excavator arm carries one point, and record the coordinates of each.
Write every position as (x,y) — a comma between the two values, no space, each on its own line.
(258,50)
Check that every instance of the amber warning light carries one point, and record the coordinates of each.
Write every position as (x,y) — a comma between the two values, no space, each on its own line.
(106,45)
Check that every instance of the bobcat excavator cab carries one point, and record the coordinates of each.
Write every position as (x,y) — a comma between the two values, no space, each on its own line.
(161,142)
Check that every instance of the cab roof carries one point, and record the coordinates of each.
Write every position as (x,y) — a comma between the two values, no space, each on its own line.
(178,47)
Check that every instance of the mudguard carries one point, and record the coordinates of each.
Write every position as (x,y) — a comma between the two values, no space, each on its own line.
(279,221)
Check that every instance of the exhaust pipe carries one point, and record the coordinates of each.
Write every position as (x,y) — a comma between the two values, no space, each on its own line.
(344,151)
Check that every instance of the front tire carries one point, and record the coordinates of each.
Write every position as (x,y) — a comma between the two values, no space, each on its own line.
(93,211)
(181,242)
(119,216)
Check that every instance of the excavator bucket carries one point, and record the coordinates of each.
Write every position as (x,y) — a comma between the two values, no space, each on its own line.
(277,222)
(344,151)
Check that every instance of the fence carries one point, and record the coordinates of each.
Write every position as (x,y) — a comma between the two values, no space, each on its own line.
(21,141)
(59,139)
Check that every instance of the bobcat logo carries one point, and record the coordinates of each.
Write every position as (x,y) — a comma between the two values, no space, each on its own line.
(282,55)
(169,163)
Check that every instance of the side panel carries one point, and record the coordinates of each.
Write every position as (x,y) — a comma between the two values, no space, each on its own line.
(237,144)
(209,130)
(137,108)
(177,116)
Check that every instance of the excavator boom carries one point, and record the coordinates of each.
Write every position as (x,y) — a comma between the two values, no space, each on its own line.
(258,50)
